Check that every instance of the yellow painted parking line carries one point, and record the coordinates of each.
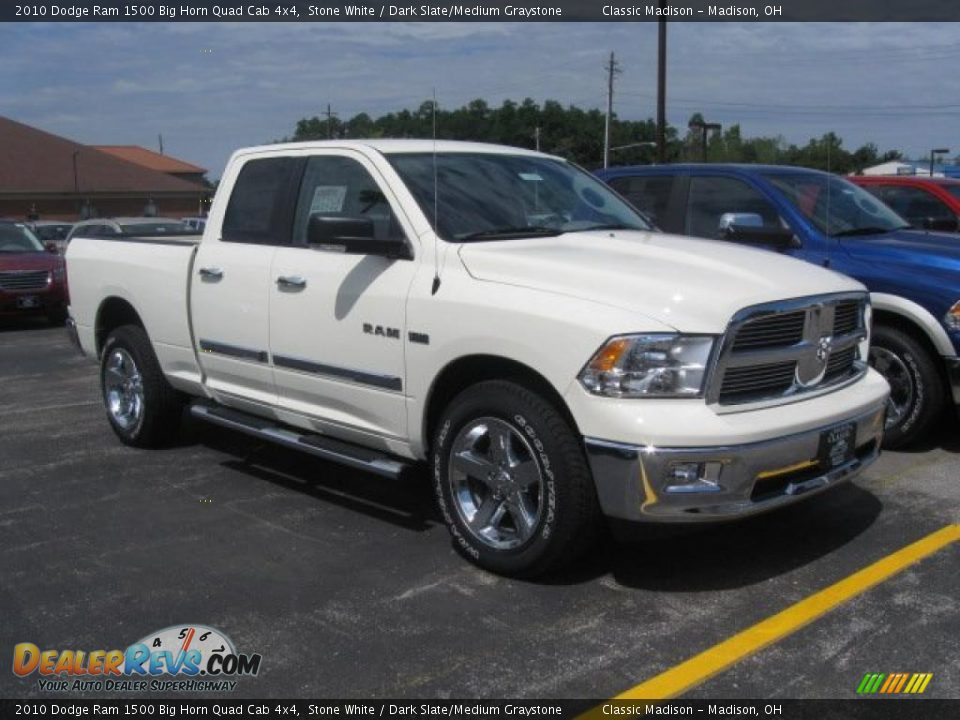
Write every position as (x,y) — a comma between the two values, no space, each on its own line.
(702,667)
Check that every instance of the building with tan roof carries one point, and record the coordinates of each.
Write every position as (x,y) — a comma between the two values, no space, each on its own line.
(156,161)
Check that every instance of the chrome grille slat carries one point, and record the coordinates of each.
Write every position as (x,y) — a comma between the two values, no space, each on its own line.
(747,380)
(771,330)
(782,351)
(847,318)
(24,279)
(758,370)
(841,362)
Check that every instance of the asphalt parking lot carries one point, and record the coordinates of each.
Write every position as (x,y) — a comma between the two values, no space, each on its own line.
(348,587)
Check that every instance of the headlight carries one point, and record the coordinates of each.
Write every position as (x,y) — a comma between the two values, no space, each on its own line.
(59,272)
(649,366)
(952,318)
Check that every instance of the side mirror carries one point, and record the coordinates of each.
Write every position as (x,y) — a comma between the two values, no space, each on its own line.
(352,236)
(942,224)
(51,247)
(749,228)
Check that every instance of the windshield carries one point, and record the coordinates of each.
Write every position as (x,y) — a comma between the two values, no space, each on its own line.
(836,206)
(484,196)
(18,239)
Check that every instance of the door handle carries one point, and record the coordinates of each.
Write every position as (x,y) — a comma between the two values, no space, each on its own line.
(292,281)
(211,273)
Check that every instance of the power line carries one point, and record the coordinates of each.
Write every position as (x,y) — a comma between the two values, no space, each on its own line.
(911,108)
(849,54)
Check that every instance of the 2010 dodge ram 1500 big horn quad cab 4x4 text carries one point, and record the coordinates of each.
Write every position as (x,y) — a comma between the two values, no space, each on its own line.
(501,314)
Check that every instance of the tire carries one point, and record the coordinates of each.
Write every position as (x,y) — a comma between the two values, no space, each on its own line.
(142,408)
(917,392)
(523,507)
(57,317)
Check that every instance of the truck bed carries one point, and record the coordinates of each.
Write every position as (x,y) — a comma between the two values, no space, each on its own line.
(150,274)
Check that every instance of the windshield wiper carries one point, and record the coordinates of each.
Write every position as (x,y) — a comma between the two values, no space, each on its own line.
(606,226)
(867,231)
(511,233)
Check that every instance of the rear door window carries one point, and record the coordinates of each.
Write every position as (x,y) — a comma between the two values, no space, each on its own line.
(257,209)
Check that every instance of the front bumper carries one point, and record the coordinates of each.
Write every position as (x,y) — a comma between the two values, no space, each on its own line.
(47,299)
(953,377)
(632,480)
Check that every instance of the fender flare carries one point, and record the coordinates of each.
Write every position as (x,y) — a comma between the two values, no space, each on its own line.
(919,316)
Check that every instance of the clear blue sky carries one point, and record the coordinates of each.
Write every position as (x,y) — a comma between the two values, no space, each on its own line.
(212,87)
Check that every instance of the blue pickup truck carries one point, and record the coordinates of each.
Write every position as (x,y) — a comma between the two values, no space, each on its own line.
(913,276)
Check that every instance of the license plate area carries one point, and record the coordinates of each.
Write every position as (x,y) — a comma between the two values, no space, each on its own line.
(838,446)
(28,302)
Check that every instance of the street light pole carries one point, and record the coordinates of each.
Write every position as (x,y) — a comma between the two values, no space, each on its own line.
(933,153)
(704,128)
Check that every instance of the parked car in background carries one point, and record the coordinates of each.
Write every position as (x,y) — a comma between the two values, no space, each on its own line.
(32,279)
(195,223)
(500,314)
(51,231)
(105,227)
(924,202)
(914,277)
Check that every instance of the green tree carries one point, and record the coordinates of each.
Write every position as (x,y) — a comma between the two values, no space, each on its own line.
(577,134)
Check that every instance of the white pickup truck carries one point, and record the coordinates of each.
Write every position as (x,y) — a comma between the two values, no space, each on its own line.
(500,314)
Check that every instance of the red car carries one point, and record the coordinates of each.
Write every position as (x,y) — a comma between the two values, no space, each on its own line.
(32,277)
(924,202)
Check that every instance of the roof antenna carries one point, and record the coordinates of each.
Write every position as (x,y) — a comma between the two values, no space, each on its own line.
(436,213)
(829,179)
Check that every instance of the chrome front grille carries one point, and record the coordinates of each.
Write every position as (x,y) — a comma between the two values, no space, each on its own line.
(24,279)
(776,352)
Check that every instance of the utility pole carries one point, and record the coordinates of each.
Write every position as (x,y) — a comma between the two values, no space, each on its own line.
(536,136)
(330,116)
(612,69)
(662,88)
(160,138)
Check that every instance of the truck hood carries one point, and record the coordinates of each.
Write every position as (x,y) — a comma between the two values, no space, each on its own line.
(28,261)
(917,250)
(694,286)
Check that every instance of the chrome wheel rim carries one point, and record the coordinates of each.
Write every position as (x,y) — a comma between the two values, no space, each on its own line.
(123,389)
(902,389)
(496,483)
